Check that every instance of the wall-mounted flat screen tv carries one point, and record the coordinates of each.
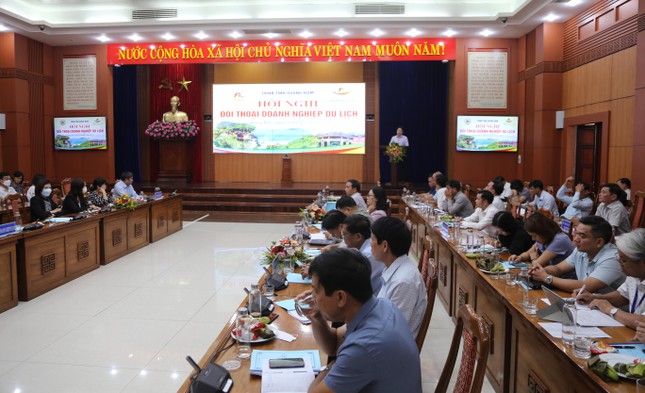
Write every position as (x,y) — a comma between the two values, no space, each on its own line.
(310,118)
(487,133)
(80,133)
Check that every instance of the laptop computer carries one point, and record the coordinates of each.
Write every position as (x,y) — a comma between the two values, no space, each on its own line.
(555,312)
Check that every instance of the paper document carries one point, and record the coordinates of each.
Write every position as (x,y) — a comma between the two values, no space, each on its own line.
(296,278)
(555,330)
(288,304)
(287,380)
(318,236)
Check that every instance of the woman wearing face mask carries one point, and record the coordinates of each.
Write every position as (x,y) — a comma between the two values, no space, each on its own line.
(98,193)
(41,204)
(75,201)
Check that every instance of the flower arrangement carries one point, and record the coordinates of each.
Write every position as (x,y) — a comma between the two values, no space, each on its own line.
(395,152)
(314,212)
(285,249)
(184,130)
(125,202)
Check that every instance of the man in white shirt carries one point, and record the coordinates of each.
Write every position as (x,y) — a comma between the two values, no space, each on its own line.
(497,188)
(507,193)
(612,209)
(402,282)
(542,200)
(353,189)
(399,138)
(579,205)
(440,195)
(124,187)
(5,185)
(482,218)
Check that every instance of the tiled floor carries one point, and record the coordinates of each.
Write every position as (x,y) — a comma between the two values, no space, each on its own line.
(128,326)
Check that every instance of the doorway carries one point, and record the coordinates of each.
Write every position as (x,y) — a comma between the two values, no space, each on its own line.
(587,164)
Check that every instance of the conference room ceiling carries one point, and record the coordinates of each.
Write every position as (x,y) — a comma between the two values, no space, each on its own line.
(79,22)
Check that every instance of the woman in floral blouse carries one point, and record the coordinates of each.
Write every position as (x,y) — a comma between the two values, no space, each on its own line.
(98,193)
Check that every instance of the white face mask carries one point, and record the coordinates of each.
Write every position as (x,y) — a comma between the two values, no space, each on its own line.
(46,192)
(6,182)
(84,190)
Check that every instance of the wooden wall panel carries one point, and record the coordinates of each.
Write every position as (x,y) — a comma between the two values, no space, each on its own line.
(268,167)
(622,122)
(620,163)
(623,76)
(585,84)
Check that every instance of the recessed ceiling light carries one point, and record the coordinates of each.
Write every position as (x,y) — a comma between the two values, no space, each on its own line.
(341,33)
(201,35)
(377,32)
(306,59)
(342,42)
(235,34)
(306,34)
(449,33)
(270,35)
(373,42)
(276,43)
(413,32)
(168,37)
(574,3)
(444,60)
(486,33)
(3,28)
(135,37)
(102,37)
(349,59)
(550,18)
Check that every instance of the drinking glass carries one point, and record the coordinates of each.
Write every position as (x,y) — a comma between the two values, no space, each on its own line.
(510,279)
(529,303)
(582,347)
(268,291)
(305,304)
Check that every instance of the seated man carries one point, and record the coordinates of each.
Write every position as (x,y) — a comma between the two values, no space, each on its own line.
(626,185)
(124,187)
(497,188)
(612,209)
(17,181)
(580,204)
(518,191)
(374,350)
(332,225)
(440,195)
(507,192)
(402,282)
(432,183)
(353,189)
(482,218)
(631,254)
(456,203)
(5,185)
(348,206)
(595,260)
(356,234)
(542,200)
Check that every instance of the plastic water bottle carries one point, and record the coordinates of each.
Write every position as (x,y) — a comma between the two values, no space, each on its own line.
(243,333)
(569,322)
(255,301)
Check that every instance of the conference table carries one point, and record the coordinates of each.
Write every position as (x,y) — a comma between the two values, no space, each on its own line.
(523,356)
(224,348)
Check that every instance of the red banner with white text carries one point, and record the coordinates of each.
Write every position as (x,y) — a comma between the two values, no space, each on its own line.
(394,49)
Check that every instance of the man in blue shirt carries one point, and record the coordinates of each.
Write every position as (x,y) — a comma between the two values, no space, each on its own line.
(377,353)
(124,187)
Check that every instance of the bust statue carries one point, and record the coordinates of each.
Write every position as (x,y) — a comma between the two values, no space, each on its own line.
(174,114)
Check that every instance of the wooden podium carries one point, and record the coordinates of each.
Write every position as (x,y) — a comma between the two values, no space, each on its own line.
(175,161)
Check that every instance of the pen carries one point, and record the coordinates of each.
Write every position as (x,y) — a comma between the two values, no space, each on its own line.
(580,291)
(623,346)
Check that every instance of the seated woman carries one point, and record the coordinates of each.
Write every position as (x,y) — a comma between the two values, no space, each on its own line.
(75,201)
(631,254)
(377,203)
(511,233)
(552,246)
(41,205)
(98,193)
